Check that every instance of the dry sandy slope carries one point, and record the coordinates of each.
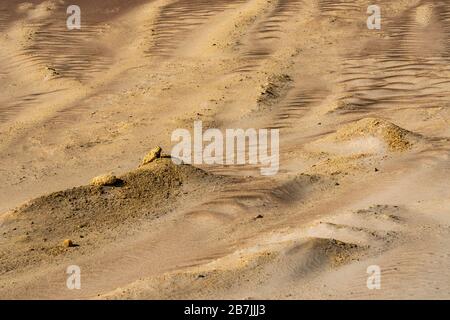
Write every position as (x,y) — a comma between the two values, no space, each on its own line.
(365,138)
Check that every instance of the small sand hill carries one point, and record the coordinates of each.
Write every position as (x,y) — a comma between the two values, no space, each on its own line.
(359,145)
(284,261)
(396,138)
(87,214)
(368,135)
(256,271)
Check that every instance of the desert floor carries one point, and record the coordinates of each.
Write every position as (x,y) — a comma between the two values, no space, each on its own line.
(364,120)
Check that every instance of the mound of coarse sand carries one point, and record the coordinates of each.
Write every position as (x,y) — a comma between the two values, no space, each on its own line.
(87,214)
(394,137)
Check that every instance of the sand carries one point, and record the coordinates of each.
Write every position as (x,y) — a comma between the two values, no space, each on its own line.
(364,171)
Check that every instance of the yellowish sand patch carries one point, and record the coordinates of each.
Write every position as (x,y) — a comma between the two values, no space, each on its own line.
(423,15)
(338,165)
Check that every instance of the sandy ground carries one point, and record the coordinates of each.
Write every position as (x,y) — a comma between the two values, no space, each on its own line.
(364,124)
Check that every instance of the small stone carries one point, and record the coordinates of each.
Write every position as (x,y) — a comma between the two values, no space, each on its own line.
(154,154)
(104,180)
(67,243)
(376,170)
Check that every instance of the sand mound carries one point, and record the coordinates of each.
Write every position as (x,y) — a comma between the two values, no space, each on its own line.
(394,137)
(252,271)
(88,213)
(358,146)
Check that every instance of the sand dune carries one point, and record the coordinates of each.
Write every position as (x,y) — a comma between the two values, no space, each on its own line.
(364,169)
